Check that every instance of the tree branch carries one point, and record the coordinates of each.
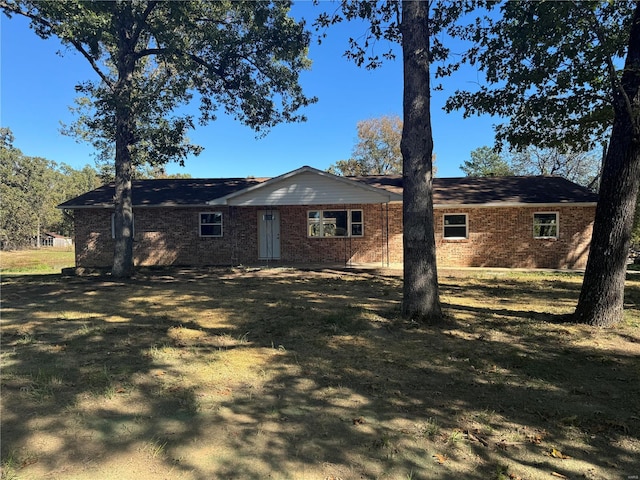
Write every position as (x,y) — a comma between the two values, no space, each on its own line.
(616,84)
(194,58)
(137,29)
(45,23)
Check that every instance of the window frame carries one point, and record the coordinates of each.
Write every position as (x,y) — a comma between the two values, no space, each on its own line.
(201,224)
(556,225)
(466,226)
(320,221)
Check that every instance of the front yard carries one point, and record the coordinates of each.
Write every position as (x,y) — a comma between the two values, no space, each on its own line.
(290,374)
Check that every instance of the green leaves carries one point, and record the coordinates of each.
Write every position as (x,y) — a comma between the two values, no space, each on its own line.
(152,57)
(485,162)
(545,66)
(30,188)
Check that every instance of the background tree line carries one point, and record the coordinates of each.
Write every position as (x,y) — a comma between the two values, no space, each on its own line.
(31,187)
(580,167)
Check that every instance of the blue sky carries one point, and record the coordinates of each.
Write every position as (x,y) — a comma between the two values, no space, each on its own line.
(37,89)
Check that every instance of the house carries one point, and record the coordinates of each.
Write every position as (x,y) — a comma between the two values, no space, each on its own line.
(50,239)
(308,216)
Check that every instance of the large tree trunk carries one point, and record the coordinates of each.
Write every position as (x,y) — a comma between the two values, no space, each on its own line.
(125,128)
(602,295)
(421,300)
(123,214)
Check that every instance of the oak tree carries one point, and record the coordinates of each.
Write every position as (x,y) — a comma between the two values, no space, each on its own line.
(416,26)
(564,74)
(151,57)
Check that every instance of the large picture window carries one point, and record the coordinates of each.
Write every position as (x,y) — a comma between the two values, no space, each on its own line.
(335,223)
(211,224)
(545,225)
(455,225)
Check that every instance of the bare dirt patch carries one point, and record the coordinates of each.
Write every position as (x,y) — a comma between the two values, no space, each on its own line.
(283,373)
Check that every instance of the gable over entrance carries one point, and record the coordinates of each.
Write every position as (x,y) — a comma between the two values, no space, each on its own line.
(307,186)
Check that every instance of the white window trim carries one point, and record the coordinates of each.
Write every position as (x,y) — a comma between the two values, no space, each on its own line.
(349,222)
(113,225)
(200,224)
(466,226)
(557,225)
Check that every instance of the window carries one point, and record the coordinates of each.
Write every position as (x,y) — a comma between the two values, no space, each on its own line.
(113,225)
(455,225)
(335,223)
(545,225)
(357,226)
(211,224)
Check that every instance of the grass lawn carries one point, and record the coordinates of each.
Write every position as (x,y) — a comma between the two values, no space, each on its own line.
(290,374)
(42,260)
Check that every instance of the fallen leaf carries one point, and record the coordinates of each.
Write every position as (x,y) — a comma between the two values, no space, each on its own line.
(440,458)
(559,475)
(555,453)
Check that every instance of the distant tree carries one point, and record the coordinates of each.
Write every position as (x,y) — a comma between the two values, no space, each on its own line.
(486,162)
(71,184)
(29,196)
(139,172)
(14,232)
(377,151)
(580,167)
(6,138)
(151,57)
(553,69)
(30,189)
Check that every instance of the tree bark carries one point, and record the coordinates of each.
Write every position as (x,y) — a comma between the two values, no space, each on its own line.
(421,299)
(125,137)
(602,296)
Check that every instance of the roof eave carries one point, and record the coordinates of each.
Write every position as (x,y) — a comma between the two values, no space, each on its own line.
(513,204)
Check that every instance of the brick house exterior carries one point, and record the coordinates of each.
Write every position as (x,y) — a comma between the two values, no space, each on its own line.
(546,224)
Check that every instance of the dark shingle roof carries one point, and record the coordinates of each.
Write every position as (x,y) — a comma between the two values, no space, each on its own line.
(453,191)
(166,192)
(488,190)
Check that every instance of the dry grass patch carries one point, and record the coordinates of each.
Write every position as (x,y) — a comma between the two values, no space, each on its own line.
(292,374)
(42,260)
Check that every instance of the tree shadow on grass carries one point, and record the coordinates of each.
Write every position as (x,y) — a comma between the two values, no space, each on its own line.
(78,375)
(332,384)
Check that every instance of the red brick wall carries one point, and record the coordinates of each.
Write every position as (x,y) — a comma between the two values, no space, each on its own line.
(498,237)
(503,237)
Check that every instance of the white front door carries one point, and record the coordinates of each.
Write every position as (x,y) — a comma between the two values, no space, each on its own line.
(269,234)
